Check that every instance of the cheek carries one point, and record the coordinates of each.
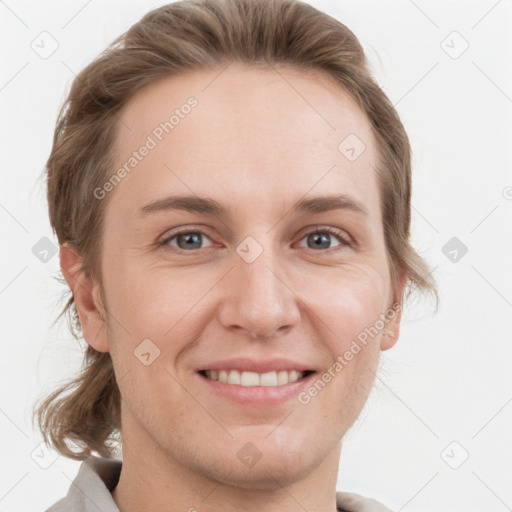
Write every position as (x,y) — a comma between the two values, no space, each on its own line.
(346,301)
(151,301)
(167,307)
(154,320)
(345,313)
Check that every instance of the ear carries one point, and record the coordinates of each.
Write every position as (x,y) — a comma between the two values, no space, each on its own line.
(392,329)
(86,293)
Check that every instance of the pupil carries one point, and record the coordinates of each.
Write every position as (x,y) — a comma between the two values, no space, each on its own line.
(190,238)
(321,240)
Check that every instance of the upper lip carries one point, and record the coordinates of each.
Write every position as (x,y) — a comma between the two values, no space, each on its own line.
(252,365)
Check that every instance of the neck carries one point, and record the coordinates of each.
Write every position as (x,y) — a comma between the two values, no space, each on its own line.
(152,480)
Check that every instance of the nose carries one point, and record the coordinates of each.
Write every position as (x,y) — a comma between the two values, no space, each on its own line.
(259,299)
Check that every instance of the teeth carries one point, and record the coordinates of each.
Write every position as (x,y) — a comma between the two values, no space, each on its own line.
(282,377)
(268,379)
(248,378)
(254,379)
(234,377)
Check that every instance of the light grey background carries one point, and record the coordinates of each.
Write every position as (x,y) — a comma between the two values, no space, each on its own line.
(445,390)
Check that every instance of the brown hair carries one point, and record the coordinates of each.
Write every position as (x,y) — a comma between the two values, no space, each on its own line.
(185,36)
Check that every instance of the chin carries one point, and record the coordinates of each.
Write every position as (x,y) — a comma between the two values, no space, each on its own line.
(259,464)
(268,475)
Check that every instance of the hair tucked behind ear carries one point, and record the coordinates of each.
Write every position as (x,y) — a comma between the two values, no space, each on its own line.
(179,37)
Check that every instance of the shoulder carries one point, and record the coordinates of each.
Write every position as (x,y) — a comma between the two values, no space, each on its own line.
(91,488)
(352,502)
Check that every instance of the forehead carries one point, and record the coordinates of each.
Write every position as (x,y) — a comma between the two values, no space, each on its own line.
(241,132)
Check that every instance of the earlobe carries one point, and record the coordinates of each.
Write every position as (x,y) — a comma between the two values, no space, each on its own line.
(392,330)
(87,298)
(388,340)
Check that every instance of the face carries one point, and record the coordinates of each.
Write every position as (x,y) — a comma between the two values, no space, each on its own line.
(254,276)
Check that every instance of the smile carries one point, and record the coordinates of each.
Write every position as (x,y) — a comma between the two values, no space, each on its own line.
(251,379)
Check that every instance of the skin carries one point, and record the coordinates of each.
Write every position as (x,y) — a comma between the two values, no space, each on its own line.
(256,145)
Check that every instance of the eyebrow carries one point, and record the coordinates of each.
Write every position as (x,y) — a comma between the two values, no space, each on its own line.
(212,207)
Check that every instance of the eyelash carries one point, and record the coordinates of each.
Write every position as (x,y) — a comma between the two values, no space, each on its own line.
(345,240)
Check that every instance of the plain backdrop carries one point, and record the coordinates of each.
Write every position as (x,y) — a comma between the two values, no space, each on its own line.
(436,431)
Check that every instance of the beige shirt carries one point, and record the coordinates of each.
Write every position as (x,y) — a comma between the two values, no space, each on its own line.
(97,477)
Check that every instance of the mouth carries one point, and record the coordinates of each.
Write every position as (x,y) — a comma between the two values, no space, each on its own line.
(254,382)
(254,379)
(255,385)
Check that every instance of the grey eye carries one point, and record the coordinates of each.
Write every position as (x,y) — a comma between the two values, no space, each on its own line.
(189,240)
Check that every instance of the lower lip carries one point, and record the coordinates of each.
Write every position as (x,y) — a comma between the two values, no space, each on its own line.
(258,395)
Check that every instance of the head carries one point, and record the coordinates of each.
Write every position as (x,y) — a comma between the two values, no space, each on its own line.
(263,108)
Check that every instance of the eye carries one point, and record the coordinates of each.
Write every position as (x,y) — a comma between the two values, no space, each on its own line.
(320,238)
(317,239)
(186,240)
